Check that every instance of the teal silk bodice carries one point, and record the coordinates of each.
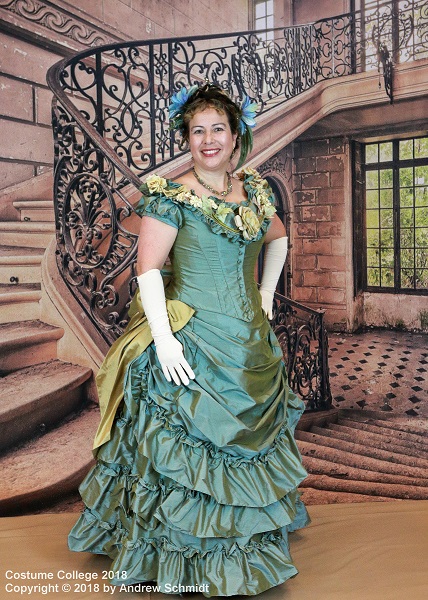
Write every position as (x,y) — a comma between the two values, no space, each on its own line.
(211,273)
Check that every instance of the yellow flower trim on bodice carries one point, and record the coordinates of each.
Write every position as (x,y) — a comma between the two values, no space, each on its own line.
(247,222)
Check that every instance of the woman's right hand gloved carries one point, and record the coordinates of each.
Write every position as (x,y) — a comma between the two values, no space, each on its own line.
(169,350)
(171,358)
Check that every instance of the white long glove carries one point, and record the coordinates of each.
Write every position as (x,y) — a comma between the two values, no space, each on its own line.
(168,348)
(275,255)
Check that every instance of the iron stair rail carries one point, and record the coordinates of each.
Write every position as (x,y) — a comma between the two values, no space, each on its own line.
(303,338)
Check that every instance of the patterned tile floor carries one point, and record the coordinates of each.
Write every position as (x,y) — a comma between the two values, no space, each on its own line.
(380,370)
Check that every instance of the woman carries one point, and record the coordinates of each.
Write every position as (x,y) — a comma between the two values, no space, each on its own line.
(197,467)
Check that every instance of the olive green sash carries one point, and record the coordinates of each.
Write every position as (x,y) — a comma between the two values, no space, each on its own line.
(134,340)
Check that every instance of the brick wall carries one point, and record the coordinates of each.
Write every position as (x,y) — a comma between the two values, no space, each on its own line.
(319,241)
(26,146)
(142,19)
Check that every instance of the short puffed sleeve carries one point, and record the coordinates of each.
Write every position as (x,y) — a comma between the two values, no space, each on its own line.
(159,206)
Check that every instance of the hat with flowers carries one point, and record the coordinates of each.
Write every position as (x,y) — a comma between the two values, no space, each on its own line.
(246,111)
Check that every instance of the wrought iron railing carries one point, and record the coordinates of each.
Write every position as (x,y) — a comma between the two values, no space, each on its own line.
(399,25)
(111,127)
(393,32)
(303,338)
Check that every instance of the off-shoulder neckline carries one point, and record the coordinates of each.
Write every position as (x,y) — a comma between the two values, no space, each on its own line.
(200,207)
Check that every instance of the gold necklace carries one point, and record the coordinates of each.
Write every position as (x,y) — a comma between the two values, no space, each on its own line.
(225,193)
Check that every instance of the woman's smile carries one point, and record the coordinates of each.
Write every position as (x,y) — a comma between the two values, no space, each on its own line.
(211,152)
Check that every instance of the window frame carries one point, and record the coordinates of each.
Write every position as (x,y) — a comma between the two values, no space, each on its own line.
(254,18)
(395,165)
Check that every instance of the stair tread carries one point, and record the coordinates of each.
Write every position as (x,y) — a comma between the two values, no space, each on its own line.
(60,455)
(27,386)
(384,431)
(13,334)
(358,447)
(19,292)
(36,226)
(401,425)
(21,260)
(33,204)
(365,414)
(22,287)
(391,491)
(356,465)
(367,439)
(6,251)
(312,496)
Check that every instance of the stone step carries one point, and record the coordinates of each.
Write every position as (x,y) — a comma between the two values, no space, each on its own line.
(50,466)
(366,455)
(35,210)
(410,425)
(20,265)
(381,429)
(35,234)
(372,488)
(312,496)
(319,466)
(27,343)
(19,302)
(381,436)
(37,397)
(372,440)
(350,459)
(316,436)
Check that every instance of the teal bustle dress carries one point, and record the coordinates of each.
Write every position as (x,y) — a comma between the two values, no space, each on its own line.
(197,485)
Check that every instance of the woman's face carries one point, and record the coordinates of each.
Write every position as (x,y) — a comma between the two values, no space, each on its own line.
(211,140)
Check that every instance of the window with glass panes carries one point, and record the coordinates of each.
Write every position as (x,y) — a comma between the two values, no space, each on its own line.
(263,15)
(396,215)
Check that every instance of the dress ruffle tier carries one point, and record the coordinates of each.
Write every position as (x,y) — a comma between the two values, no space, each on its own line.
(169,508)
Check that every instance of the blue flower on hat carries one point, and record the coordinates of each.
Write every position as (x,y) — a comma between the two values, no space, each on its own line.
(248,114)
(179,99)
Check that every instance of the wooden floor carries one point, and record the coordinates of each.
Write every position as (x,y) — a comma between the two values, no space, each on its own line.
(365,551)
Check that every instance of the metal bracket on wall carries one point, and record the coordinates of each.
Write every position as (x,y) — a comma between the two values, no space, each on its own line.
(384,59)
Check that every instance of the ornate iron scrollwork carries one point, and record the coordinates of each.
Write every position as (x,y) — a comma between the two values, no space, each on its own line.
(95,250)
(384,59)
(303,339)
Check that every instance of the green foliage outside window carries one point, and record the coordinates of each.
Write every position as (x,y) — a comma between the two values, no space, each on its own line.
(396,213)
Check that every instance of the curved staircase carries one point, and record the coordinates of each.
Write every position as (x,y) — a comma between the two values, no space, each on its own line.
(43,400)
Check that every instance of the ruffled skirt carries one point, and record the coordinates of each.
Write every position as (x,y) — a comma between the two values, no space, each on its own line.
(198,484)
